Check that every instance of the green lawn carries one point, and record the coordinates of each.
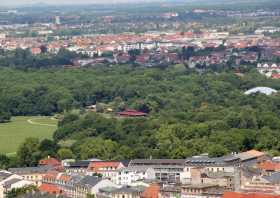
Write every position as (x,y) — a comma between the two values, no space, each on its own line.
(12,134)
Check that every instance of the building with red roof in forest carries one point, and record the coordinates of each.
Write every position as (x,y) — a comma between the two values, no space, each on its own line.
(275,76)
(50,162)
(132,113)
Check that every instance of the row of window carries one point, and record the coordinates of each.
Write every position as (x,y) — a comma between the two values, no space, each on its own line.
(30,177)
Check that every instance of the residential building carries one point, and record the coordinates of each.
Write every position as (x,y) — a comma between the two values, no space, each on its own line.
(166,170)
(170,191)
(106,168)
(33,174)
(9,181)
(152,191)
(50,162)
(75,186)
(123,192)
(129,175)
(78,167)
(202,191)
(223,167)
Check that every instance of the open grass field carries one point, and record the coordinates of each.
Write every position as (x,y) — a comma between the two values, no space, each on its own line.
(12,134)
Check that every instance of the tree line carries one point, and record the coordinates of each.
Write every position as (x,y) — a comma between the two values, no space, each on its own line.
(189,112)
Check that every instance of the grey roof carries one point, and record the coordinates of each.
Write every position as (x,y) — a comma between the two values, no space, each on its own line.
(217,161)
(40,195)
(200,186)
(4,175)
(179,163)
(90,181)
(136,162)
(107,189)
(125,162)
(8,183)
(30,170)
(134,168)
(85,181)
(274,178)
(123,189)
(80,164)
(263,90)
(250,171)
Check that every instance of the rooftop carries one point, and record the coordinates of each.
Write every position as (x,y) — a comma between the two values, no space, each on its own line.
(50,162)
(50,188)
(262,90)
(97,165)
(10,182)
(202,160)
(4,175)
(30,170)
(248,195)
(274,178)
(269,166)
(250,155)
(131,113)
(137,162)
(124,189)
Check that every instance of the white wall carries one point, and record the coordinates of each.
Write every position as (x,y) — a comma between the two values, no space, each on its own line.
(102,184)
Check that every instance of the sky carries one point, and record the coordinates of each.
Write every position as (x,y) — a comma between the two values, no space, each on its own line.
(23,2)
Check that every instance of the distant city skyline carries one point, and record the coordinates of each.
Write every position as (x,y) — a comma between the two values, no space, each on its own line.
(24,2)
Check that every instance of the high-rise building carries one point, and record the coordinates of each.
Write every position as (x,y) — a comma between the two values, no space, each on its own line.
(57,20)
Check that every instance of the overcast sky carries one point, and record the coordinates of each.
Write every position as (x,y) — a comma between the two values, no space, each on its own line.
(21,2)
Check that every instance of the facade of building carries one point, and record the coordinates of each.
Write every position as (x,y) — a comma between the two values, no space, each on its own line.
(108,169)
(9,181)
(201,191)
(33,174)
(129,175)
(123,192)
(166,170)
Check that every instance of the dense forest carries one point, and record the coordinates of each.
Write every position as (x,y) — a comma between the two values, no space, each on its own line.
(189,112)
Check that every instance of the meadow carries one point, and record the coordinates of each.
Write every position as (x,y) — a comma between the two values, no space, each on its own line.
(13,133)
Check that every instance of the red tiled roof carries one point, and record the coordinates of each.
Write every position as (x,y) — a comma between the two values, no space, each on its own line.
(49,161)
(151,192)
(275,76)
(50,188)
(269,166)
(95,166)
(131,113)
(51,175)
(248,195)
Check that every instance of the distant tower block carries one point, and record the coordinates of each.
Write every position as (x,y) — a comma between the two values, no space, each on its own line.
(57,20)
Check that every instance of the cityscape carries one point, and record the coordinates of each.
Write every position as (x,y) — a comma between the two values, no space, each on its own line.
(142,99)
